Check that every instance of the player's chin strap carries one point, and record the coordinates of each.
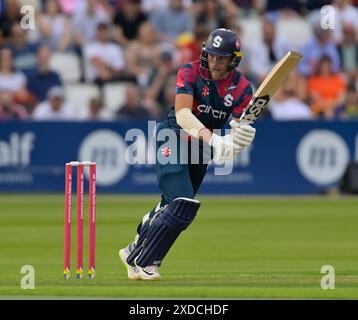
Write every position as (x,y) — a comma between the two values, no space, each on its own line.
(164,229)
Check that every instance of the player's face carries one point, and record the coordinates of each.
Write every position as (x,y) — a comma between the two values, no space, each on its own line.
(218,66)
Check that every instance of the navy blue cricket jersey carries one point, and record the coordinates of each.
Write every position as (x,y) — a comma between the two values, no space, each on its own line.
(214,101)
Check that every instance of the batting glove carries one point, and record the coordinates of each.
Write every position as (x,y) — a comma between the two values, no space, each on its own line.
(243,134)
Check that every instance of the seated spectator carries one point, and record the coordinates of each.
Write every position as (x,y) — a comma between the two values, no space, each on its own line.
(24,52)
(169,92)
(133,108)
(298,82)
(344,13)
(155,93)
(54,27)
(127,22)
(267,52)
(350,110)
(310,5)
(150,6)
(54,108)
(143,55)
(9,109)
(189,45)
(36,4)
(10,79)
(9,17)
(84,22)
(245,8)
(287,106)
(348,52)
(104,61)
(326,90)
(41,79)
(320,45)
(172,21)
(71,7)
(283,7)
(211,14)
(97,111)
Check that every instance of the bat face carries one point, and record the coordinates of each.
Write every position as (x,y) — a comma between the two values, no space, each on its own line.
(254,108)
(269,86)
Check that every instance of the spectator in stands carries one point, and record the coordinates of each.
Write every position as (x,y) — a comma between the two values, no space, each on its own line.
(211,14)
(311,5)
(189,45)
(54,27)
(326,90)
(36,4)
(345,14)
(10,79)
(267,52)
(54,108)
(41,79)
(155,94)
(172,21)
(321,44)
(9,17)
(169,95)
(351,106)
(283,7)
(104,61)
(97,112)
(348,52)
(299,83)
(245,8)
(23,51)
(9,110)
(143,55)
(150,6)
(85,21)
(127,22)
(71,7)
(133,109)
(288,106)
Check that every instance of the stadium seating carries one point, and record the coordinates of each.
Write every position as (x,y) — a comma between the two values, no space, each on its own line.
(286,28)
(78,96)
(114,95)
(68,65)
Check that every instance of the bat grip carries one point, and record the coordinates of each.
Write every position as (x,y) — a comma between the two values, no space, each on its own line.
(235,124)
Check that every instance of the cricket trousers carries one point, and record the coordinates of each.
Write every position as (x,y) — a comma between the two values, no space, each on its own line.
(180,166)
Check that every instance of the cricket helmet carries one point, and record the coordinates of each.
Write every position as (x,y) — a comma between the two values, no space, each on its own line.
(221,42)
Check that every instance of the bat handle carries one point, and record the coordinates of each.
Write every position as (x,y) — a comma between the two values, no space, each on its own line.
(235,124)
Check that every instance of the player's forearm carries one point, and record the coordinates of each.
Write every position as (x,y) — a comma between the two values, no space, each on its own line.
(192,124)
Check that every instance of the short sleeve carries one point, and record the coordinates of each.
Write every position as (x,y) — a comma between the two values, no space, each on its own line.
(242,102)
(185,80)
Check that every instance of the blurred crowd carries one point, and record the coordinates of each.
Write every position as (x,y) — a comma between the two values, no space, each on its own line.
(139,45)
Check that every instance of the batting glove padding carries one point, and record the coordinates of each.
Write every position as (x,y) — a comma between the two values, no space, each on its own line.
(224,146)
(243,134)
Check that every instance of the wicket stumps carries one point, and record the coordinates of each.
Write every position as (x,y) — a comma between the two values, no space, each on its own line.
(92,219)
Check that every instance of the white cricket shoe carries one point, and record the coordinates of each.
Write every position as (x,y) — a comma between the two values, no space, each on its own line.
(148,273)
(133,273)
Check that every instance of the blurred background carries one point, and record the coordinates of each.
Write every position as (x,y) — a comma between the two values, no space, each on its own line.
(91,70)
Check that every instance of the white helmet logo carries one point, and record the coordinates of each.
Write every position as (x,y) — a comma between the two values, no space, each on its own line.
(217,41)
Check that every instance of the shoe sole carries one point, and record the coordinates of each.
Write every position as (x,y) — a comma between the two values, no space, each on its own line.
(143,275)
(123,258)
(148,279)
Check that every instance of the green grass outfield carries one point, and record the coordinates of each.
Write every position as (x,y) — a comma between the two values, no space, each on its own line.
(238,247)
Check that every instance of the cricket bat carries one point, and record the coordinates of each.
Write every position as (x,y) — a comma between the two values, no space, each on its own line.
(269,86)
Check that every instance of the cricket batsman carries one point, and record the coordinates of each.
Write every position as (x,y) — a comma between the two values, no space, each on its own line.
(208,92)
